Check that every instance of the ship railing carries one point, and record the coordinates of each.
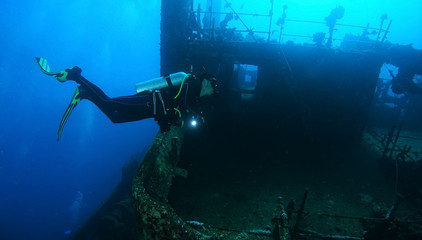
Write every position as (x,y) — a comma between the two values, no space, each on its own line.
(211,32)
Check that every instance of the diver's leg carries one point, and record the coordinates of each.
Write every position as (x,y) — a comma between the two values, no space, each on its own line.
(125,109)
(119,109)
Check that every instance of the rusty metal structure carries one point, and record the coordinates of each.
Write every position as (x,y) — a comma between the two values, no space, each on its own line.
(272,95)
(312,95)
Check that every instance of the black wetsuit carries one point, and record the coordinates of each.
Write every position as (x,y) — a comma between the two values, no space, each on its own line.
(159,104)
(403,81)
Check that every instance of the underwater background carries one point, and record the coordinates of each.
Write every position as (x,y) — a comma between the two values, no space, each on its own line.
(49,188)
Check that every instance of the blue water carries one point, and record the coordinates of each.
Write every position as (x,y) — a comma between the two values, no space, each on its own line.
(49,188)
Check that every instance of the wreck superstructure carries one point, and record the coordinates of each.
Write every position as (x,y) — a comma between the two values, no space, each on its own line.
(273,99)
(333,85)
(285,115)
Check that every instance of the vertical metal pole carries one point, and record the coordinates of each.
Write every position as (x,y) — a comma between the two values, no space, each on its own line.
(386,31)
(389,140)
(282,21)
(380,29)
(211,28)
(198,16)
(300,213)
(396,139)
(174,34)
(271,19)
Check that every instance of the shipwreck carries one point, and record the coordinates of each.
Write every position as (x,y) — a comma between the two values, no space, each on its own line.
(286,124)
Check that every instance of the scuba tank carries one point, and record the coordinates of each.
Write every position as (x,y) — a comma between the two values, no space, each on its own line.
(161,82)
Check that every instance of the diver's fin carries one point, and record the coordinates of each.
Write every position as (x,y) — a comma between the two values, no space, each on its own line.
(73,102)
(42,63)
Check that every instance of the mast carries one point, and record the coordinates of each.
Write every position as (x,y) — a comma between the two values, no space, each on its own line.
(174,34)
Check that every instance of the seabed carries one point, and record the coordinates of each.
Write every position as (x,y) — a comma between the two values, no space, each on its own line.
(242,194)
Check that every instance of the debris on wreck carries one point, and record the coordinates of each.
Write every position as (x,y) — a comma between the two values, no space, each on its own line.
(285,115)
(325,92)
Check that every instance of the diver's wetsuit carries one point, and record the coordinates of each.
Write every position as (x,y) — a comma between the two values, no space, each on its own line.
(118,109)
(403,81)
(161,104)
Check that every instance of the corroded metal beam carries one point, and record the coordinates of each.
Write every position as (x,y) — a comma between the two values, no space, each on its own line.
(174,34)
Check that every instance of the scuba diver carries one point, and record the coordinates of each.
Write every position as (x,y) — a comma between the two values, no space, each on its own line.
(408,61)
(403,82)
(169,99)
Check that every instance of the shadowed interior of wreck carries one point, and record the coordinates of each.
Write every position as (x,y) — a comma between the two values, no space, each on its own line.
(297,128)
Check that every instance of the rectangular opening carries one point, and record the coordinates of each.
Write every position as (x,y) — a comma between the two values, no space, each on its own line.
(246,76)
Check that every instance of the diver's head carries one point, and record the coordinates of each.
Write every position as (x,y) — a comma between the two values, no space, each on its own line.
(206,88)
(208,84)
